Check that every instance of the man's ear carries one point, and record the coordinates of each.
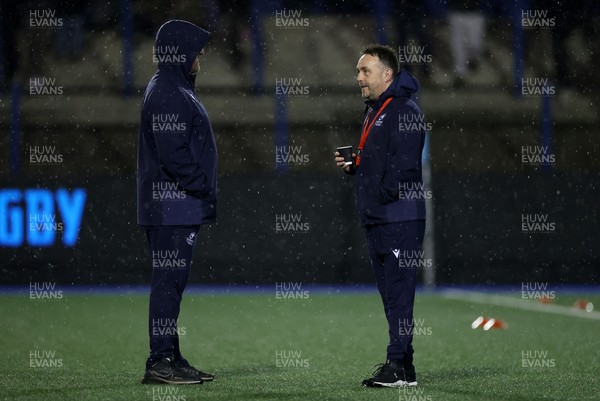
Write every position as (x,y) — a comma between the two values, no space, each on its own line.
(388,75)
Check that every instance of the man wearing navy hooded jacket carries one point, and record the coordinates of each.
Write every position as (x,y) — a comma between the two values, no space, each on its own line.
(176,190)
(390,200)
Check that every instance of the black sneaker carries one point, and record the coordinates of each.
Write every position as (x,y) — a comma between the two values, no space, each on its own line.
(411,375)
(165,372)
(207,377)
(388,374)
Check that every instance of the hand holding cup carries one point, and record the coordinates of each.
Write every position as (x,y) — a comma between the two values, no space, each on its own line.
(344,158)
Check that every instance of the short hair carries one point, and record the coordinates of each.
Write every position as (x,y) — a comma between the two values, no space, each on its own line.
(387,56)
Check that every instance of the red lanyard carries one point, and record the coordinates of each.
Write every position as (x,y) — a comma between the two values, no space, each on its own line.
(367,130)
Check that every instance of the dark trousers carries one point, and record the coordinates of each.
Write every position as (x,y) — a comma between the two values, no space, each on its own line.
(171,250)
(394,248)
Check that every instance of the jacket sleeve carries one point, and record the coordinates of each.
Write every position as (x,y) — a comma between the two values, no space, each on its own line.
(403,159)
(173,145)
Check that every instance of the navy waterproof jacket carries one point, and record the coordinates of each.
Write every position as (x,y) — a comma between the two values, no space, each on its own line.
(177,153)
(388,181)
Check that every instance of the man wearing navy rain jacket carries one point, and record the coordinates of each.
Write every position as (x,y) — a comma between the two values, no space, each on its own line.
(176,190)
(390,200)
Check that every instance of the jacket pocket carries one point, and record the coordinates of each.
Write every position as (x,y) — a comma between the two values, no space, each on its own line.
(388,191)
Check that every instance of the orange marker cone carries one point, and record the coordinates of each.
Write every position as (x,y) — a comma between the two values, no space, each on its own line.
(583,304)
(488,323)
(480,321)
(494,324)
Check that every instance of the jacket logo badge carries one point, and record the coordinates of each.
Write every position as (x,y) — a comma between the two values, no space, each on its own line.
(379,120)
(191,239)
(396,252)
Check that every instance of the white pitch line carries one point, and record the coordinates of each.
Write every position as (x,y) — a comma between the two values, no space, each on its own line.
(501,300)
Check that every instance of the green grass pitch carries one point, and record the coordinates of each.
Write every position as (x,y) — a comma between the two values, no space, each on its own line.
(249,342)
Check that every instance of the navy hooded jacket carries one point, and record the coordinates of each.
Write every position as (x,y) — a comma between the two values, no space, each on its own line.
(388,181)
(177,153)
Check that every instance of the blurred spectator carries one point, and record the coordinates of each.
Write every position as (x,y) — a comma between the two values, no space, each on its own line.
(35,22)
(235,15)
(467,25)
(9,26)
(567,17)
(69,39)
(411,21)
